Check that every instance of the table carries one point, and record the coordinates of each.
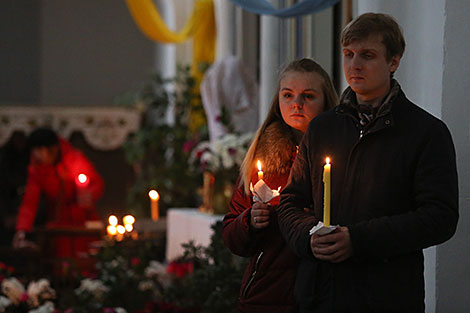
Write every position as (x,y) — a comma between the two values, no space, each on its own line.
(185,224)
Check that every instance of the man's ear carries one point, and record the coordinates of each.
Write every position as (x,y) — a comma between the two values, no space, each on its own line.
(394,63)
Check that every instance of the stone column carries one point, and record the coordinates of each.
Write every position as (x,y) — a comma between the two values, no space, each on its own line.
(165,54)
(269,62)
(225,21)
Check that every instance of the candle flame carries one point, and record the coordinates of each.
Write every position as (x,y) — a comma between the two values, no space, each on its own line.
(129,227)
(111,230)
(113,220)
(327,160)
(153,194)
(121,229)
(128,219)
(82,178)
(259,165)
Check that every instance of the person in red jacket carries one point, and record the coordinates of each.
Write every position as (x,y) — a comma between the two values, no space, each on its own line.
(70,186)
(251,229)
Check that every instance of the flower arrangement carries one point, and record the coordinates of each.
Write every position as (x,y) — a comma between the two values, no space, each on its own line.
(34,299)
(222,155)
(131,277)
(219,161)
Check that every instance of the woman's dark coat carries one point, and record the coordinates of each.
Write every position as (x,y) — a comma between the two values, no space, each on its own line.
(268,281)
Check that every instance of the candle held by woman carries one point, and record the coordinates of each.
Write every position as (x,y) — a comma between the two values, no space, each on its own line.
(260,172)
(327,192)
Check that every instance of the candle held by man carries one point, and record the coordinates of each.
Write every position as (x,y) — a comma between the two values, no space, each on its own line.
(327,192)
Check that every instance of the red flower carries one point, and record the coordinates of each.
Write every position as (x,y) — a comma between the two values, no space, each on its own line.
(24,297)
(3,266)
(188,146)
(180,269)
(10,269)
(135,261)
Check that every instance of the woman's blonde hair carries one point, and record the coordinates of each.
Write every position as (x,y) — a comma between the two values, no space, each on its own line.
(304,65)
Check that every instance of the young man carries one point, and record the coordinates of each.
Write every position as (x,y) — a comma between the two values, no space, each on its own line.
(393,186)
(53,172)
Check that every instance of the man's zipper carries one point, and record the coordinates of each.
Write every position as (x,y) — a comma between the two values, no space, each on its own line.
(252,278)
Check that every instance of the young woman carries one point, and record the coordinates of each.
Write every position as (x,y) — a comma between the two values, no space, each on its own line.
(250,228)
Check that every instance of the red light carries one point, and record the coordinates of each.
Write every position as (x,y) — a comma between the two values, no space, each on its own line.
(82,180)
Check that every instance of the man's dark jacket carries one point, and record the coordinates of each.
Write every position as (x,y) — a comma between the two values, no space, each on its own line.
(394,187)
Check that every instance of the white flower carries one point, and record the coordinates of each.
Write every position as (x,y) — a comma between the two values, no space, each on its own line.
(94,287)
(146,285)
(226,153)
(120,310)
(157,271)
(4,302)
(13,289)
(155,268)
(47,307)
(40,290)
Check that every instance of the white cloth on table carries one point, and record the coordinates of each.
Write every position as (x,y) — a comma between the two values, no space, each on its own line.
(184,225)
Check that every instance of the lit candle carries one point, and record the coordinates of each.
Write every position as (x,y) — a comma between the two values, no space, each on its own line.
(111,230)
(113,220)
(260,172)
(128,219)
(121,229)
(128,222)
(82,180)
(154,196)
(327,192)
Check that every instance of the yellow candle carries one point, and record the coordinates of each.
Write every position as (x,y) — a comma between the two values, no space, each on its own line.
(327,192)
(260,172)
(154,196)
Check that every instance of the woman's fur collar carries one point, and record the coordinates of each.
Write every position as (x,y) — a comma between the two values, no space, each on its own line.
(276,149)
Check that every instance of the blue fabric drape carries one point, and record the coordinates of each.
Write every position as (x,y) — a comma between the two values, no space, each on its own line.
(303,7)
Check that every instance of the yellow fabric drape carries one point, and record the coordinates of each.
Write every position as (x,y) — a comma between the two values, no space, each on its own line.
(201,26)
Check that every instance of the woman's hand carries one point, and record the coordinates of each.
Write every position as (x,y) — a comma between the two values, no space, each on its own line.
(260,215)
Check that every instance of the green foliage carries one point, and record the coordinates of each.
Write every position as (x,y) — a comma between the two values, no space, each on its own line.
(215,283)
(159,151)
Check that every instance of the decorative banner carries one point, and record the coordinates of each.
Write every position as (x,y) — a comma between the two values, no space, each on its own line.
(304,7)
(201,26)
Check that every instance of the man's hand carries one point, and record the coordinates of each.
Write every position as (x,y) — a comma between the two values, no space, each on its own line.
(333,247)
(84,199)
(260,215)
(19,241)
